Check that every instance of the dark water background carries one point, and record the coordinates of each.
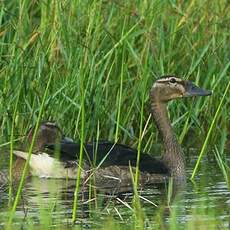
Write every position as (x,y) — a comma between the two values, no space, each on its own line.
(204,201)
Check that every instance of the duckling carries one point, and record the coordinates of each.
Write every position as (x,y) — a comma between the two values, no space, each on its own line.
(113,160)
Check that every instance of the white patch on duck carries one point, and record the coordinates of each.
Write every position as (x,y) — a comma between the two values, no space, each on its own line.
(45,166)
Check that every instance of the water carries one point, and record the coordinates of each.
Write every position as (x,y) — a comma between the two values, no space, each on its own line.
(49,202)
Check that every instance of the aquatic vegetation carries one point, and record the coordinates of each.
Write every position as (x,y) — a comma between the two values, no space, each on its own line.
(89,65)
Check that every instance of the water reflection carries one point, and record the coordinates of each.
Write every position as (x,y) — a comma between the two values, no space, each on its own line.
(53,199)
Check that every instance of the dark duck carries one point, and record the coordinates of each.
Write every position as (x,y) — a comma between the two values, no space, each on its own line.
(110,162)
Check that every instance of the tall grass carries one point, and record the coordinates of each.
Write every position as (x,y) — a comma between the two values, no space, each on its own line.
(210,130)
(111,51)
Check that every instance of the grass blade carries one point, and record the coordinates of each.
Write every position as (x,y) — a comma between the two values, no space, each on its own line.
(209,132)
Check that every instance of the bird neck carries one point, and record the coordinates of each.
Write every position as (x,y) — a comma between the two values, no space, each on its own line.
(173,157)
(18,168)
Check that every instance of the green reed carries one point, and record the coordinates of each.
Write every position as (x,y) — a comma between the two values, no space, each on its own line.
(210,130)
(78,181)
(25,170)
(112,52)
(12,145)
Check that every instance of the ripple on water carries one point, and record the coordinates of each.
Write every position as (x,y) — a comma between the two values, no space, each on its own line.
(205,201)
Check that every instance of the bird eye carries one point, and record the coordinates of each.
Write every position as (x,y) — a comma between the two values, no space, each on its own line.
(172,80)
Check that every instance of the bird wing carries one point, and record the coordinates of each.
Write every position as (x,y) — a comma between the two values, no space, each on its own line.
(105,153)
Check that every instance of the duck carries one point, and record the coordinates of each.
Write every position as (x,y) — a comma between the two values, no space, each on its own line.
(109,162)
(48,132)
(42,162)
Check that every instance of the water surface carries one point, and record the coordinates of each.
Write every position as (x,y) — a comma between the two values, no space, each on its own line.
(48,201)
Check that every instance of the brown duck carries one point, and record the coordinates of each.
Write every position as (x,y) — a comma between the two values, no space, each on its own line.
(110,162)
(48,133)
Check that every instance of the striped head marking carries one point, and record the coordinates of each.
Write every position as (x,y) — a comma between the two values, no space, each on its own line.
(170,87)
